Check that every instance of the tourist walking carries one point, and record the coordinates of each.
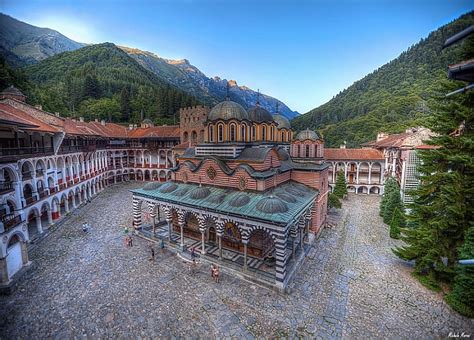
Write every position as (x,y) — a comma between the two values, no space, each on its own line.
(162,246)
(216,274)
(130,241)
(212,271)
(152,253)
(192,253)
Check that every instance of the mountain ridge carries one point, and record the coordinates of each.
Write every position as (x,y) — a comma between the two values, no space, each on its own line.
(22,44)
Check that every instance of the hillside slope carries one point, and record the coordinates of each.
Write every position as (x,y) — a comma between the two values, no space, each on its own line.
(23,44)
(396,96)
(100,77)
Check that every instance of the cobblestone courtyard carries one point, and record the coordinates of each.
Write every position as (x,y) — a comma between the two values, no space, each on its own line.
(350,286)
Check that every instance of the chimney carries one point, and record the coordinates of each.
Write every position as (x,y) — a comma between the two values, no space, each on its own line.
(134,126)
(39,107)
(381,135)
(56,114)
(81,119)
(102,122)
(343,146)
(130,126)
(96,120)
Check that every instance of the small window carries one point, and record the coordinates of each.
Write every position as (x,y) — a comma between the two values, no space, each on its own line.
(264,133)
(307,151)
(254,133)
(220,133)
(243,133)
(211,133)
(232,133)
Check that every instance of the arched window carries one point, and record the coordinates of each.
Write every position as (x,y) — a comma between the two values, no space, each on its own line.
(283,136)
(307,151)
(220,133)
(185,136)
(211,133)
(264,133)
(232,132)
(272,133)
(254,132)
(298,154)
(243,133)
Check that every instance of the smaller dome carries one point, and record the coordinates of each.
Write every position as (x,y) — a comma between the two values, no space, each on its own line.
(168,187)
(286,197)
(282,121)
(294,191)
(301,187)
(259,114)
(307,134)
(239,201)
(218,198)
(227,110)
(199,193)
(272,205)
(151,186)
(181,192)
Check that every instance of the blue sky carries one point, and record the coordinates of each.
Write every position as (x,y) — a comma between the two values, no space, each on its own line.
(301,52)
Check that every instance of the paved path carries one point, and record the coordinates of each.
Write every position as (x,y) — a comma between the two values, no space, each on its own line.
(351,286)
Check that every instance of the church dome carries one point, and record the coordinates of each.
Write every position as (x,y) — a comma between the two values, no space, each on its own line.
(239,201)
(307,134)
(199,193)
(228,110)
(282,121)
(272,205)
(151,186)
(168,187)
(259,115)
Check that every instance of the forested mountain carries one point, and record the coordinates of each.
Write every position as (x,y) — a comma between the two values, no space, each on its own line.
(189,78)
(397,95)
(102,81)
(22,44)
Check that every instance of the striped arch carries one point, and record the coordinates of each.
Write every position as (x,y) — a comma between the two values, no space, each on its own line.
(254,228)
(242,230)
(137,214)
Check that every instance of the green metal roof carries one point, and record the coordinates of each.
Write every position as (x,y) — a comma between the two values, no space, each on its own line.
(225,204)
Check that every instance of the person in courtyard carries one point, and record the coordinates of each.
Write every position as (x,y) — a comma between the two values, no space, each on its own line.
(84,227)
(162,245)
(152,253)
(130,241)
(192,253)
(216,274)
(213,266)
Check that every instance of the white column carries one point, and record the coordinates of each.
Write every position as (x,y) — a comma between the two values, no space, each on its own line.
(357,172)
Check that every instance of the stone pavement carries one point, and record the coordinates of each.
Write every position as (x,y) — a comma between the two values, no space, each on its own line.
(350,286)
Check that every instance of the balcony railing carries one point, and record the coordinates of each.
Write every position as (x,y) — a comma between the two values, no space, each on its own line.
(25,151)
(77,148)
(10,221)
(26,175)
(30,200)
(6,187)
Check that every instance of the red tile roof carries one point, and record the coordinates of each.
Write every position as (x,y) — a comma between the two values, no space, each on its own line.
(389,141)
(182,146)
(21,117)
(167,131)
(427,147)
(352,154)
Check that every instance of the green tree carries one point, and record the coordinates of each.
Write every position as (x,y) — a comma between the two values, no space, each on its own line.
(125,104)
(340,190)
(91,87)
(461,298)
(389,186)
(396,223)
(333,201)
(393,202)
(104,108)
(442,208)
